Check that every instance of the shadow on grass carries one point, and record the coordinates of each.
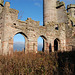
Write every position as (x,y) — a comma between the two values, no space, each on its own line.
(66,63)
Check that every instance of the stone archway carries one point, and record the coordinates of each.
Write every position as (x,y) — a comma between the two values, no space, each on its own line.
(11,42)
(19,42)
(56,44)
(44,43)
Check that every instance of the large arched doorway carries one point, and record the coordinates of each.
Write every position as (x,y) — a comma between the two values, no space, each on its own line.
(56,44)
(41,43)
(19,42)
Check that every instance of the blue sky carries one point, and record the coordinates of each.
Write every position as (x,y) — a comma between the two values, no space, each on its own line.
(30,8)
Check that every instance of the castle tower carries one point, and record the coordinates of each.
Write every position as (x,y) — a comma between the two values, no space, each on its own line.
(1,2)
(71,10)
(1,5)
(49,9)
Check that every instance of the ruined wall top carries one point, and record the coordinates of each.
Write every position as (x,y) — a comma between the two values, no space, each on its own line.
(59,4)
(7,6)
(71,6)
(1,2)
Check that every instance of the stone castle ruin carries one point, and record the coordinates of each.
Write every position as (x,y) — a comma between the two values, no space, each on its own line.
(58,30)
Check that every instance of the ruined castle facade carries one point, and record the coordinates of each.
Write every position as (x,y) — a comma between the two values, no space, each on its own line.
(58,30)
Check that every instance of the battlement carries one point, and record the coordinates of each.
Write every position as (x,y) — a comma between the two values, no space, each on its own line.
(29,20)
(1,2)
(71,6)
(71,10)
(32,21)
(59,4)
(13,11)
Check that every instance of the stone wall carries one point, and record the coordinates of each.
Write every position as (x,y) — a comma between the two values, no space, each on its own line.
(71,10)
(61,12)
(62,30)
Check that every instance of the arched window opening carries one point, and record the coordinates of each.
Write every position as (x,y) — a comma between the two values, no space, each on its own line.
(19,42)
(56,44)
(56,27)
(40,44)
(72,23)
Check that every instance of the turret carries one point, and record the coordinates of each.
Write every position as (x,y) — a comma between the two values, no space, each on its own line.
(50,13)
(1,2)
(1,5)
(71,10)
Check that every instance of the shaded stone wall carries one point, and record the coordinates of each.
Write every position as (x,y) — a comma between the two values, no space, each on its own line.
(61,12)
(73,39)
(1,28)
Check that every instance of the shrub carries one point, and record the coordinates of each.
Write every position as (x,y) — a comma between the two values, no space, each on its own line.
(55,63)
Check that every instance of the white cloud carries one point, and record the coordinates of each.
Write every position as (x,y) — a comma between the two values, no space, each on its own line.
(37,4)
(40,44)
(18,42)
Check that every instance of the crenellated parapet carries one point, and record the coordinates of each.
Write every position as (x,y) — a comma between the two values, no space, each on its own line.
(1,2)
(59,4)
(71,6)
(29,20)
(23,25)
(71,10)
(14,11)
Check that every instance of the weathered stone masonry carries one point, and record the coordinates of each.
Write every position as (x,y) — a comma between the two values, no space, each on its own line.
(58,29)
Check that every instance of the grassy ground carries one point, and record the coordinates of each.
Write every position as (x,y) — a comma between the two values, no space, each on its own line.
(56,63)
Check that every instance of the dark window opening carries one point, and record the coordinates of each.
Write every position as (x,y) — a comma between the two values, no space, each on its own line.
(55,45)
(14,23)
(73,48)
(56,27)
(50,48)
(73,25)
